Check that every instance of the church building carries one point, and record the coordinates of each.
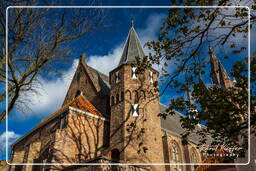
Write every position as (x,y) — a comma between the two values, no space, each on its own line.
(113,119)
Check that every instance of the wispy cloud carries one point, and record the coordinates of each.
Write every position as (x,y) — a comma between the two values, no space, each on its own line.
(12,136)
(50,94)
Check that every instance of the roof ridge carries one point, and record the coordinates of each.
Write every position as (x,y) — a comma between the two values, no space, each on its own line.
(95,84)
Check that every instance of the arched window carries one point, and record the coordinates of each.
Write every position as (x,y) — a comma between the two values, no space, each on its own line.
(122,96)
(175,154)
(194,158)
(112,100)
(117,98)
(135,96)
(128,94)
(142,94)
(115,155)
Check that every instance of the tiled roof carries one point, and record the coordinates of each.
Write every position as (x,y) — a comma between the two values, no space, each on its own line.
(79,102)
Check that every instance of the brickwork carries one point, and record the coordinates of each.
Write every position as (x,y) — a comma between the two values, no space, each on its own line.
(81,140)
(140,137)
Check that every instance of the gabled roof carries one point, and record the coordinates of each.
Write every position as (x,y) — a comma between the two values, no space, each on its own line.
(99,80)
(79,102)
(132,48)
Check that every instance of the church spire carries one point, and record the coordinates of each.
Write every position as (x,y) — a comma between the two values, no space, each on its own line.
(219,75)
(132,47)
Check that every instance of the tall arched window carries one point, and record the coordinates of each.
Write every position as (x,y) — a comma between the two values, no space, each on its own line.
(135,96)
(142,94)
(117,98)
(122,96)
(175,154)
(128,94)
(194,158)
(112,100)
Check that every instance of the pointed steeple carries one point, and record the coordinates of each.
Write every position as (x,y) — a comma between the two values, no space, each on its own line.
(132,48)
(219,74)
(201,81)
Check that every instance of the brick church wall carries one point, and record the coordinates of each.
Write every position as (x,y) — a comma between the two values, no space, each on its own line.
(81,140)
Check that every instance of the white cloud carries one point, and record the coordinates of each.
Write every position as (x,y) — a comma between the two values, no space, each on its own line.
(108,62)
(12,137)
(50,95)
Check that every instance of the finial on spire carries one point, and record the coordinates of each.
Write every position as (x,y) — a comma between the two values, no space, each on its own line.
(83,57)
(210,50)
(132,23)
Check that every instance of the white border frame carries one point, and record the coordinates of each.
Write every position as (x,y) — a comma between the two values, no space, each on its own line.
(147,164)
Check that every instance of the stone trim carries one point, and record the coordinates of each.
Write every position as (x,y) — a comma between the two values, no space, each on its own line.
(87,113)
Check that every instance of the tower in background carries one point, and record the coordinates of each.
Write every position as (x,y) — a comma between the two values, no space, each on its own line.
(219,74)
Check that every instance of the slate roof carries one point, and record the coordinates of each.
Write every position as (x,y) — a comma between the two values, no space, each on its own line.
(102,80)
(132,48)
(172,125)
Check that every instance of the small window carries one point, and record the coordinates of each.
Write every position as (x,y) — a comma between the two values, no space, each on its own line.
(135,110)
(128,94)
(117,76)
(117,98)
(122,96)
(112,100)
(115,155)
(78,93)
(135,96)
(151,77)
(134,75)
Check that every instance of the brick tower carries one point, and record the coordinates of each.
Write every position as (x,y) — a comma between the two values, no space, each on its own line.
(135,131)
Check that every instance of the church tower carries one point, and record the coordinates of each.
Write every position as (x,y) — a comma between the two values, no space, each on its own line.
(219,75)
(135,131)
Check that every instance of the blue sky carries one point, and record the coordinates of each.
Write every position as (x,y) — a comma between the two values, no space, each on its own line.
(103,48)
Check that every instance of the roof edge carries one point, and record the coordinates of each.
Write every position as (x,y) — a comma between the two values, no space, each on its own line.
(59,113)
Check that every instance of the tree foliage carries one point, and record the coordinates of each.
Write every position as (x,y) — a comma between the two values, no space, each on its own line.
(38,39)
(184,37)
